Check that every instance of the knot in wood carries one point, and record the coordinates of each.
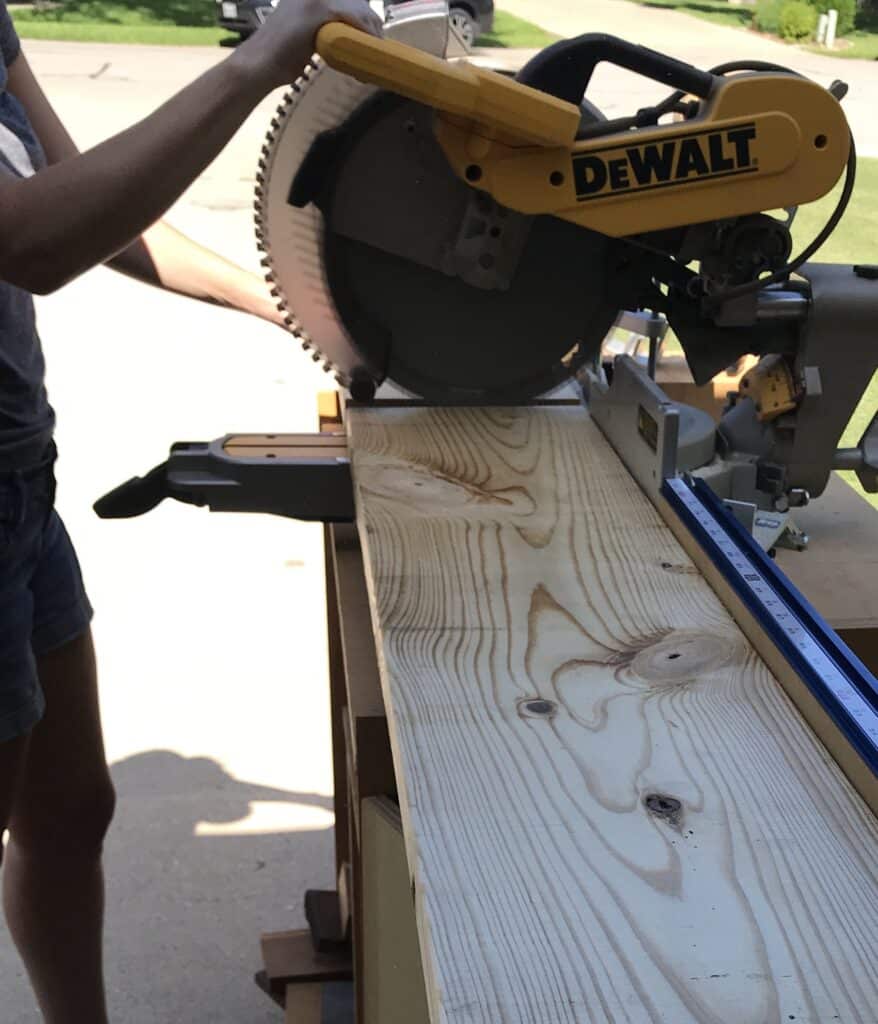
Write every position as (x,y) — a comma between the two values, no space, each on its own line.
(681,657)
(663,806)
(680,569)
(536,707)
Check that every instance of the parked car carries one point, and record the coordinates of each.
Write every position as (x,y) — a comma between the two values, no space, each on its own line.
(471,18)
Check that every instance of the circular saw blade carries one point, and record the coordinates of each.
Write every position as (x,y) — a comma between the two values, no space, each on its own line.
(291,238)
(395,278)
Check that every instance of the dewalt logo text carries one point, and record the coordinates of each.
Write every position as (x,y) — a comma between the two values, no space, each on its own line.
(673,161)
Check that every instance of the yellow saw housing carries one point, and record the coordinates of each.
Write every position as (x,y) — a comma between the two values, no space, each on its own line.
(761,141)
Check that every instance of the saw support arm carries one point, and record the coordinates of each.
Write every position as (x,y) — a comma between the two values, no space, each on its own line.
(494,104)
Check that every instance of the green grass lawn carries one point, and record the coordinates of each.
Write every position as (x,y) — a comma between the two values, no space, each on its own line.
(159,22)
(719,11)
(516,33)
(191,23)
(154,35)
(862,43)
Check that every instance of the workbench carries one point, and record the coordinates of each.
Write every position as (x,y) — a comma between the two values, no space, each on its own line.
(371,929)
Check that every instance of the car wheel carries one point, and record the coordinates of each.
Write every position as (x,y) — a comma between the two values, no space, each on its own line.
(465,24)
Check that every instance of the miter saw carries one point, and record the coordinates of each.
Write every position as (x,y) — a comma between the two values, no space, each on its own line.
(473,238)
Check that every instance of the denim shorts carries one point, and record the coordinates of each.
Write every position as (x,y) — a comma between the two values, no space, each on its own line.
(43,604)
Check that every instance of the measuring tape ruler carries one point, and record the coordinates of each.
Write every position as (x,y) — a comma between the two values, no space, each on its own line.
(842,685)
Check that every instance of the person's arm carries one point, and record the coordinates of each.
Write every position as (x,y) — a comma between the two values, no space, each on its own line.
(86,208)
(167,258)
(161,256)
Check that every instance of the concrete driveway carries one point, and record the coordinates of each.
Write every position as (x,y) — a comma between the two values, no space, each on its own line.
(700,43)
(210,629)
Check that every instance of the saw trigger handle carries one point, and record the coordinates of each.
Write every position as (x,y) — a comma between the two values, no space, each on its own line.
(564,69)
(136,496)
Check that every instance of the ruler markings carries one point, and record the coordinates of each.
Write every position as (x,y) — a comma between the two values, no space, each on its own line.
(824,658)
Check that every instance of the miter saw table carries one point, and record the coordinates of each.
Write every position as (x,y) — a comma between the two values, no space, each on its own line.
(441,236)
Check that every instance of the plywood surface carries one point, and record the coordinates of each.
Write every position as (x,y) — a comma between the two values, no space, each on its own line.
(392,979)
(612,812)
(839,571)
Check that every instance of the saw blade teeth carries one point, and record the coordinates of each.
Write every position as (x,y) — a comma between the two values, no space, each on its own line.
(271,225)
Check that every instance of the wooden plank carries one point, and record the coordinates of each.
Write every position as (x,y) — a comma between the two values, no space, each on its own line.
(329,1003)
(345,897)
(857,771)
(612,810)
(393,981)
(313,443)
(328,410)
(369,746)
(675,378)
(337,703)
(290,958)
(864,643)
(304,1004)
(323,913)
(356,904)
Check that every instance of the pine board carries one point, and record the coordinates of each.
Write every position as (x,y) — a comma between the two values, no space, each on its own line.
(511,559)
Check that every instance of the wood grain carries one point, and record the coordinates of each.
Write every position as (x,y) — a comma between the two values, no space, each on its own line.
(612,811)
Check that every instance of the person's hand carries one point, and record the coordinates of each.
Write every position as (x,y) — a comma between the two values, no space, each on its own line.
(278,52)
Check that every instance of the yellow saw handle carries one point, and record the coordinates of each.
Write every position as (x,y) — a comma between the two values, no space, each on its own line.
(497,105)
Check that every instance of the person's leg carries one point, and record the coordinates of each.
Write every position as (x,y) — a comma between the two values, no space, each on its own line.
(53,884)
(12,755)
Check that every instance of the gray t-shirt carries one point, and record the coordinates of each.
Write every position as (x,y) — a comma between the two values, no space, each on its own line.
(26,418)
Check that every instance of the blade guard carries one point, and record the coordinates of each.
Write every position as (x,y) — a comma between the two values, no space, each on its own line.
(759,142)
